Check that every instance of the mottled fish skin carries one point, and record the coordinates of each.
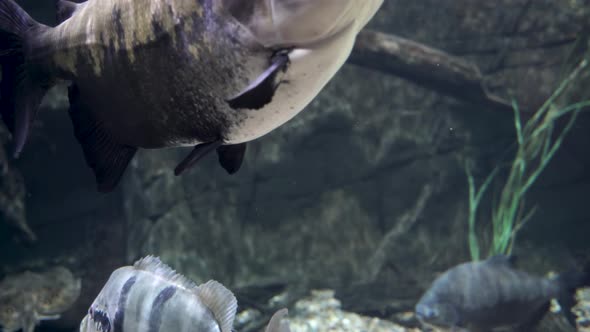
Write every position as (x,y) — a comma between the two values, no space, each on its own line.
(166,73)
(154,73)
(485,295)
(150,297)
(173,64)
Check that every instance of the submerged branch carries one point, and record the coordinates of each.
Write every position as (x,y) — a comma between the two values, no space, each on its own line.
(403,225)
(423,65)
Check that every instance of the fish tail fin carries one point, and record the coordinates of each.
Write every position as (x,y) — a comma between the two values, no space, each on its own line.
(20,94)
(569,283)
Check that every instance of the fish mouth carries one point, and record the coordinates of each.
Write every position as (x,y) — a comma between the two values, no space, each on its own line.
(83,323)
(425,313)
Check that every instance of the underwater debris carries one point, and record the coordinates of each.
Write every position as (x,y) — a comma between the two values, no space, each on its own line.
(28,298)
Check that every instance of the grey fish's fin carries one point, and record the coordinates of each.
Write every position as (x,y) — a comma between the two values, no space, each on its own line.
(107,158)
(21,93)
(231,156)
(508,260)
(533,321)
(569,282)
(199,151)
(221,301)
(65,9)
(154,265)
(277,324)
(261,91)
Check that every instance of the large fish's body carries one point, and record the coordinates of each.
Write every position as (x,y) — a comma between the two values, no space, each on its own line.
(150,297)
(165,73)
(482,296)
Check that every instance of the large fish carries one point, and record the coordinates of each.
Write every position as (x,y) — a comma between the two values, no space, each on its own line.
(485,295)
(151,297)
(213,74)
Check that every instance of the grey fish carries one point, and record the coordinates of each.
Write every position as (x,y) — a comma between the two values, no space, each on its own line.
(485,295)
(151,297)
(213,74)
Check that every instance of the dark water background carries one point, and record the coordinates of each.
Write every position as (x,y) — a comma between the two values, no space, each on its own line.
(315,199)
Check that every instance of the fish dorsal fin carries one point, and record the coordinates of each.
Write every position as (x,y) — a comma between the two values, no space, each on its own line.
(65,9)
(277,324)
(154,265)
(221,301)
(507,260)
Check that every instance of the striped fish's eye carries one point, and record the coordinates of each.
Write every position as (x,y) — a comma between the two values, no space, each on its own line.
(100,319)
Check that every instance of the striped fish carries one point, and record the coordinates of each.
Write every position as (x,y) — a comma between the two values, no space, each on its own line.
(151,297)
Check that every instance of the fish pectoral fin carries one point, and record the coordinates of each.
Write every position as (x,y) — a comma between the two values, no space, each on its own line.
(107,158)
(221,301)
(277,324)
(65,9)
(261,91)
(199,151)
(231,157)
(530,324)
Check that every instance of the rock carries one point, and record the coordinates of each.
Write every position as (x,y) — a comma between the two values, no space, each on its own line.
(12,193)
(28,298)
(321,313)
(582,310)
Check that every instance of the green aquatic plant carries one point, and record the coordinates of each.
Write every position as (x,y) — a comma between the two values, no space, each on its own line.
(538,142)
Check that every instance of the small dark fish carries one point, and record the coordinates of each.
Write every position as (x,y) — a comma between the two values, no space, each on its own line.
(151,297)
(482,296)
(166,73)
